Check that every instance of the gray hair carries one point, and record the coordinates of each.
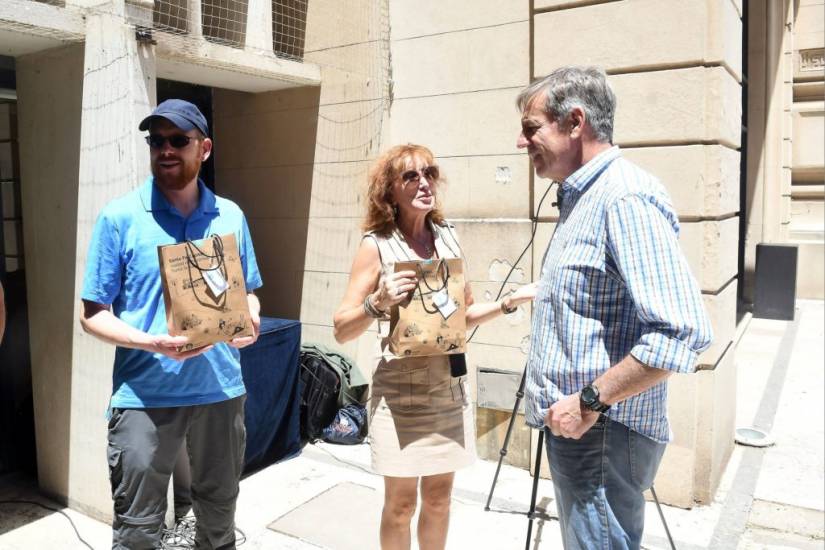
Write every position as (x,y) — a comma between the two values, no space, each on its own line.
(569,87)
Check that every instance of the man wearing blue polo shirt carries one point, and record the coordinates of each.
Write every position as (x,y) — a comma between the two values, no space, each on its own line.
(163,398)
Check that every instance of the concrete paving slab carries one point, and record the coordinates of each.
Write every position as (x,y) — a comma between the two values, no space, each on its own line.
(29,526)
(340,518)
(768,498)
(780,389)
(764,539)
(323,468)
(785,518)
(793,472)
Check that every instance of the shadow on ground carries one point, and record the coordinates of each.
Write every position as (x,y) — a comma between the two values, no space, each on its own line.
(21,502)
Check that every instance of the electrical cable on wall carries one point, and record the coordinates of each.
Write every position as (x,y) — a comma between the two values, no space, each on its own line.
(535,223)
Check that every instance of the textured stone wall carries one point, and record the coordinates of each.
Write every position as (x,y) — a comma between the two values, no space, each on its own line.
(676,69)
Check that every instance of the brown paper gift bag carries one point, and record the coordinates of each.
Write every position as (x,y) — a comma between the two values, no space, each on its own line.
(204,290)
(417,326)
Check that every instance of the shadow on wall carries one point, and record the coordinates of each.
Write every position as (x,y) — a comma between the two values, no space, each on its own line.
(761,148)
(265,152)
(17,444)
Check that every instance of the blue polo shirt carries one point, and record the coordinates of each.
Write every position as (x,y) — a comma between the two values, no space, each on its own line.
(122,270)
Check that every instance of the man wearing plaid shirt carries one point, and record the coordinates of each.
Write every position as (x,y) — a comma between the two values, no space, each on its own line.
(616,313)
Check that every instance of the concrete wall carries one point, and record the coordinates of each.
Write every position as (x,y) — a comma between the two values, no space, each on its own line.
(296,161)
(265,147)
(79,147)
(785,163)
(348,41)
(456,73)
(118,91)
(49,90)
(768,177)
(676,69)
(702,422)
(807,220)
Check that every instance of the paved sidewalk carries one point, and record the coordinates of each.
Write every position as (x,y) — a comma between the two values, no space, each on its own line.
(768,499)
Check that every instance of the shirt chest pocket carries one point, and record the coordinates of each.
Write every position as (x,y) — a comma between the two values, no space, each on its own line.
(580,256)
(585,274)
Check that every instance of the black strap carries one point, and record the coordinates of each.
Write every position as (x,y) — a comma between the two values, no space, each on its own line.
(192,251)
(432,290)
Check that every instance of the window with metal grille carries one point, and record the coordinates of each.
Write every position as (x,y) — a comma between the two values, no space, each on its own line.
(11,231)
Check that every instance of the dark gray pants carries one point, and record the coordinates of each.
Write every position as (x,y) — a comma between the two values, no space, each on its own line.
(181,483)
(143,448)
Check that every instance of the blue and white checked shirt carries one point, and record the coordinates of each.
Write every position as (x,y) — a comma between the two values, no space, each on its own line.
(613,282)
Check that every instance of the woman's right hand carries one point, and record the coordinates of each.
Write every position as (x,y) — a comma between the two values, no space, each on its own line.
(524,293)
(393,289)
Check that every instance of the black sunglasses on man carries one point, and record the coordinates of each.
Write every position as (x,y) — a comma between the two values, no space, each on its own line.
(177,141)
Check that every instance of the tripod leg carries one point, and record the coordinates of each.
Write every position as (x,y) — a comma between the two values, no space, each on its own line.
(532,513)
(662,515)
(503,452)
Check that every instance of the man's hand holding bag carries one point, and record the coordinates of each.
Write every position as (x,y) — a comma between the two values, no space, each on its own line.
(204,291)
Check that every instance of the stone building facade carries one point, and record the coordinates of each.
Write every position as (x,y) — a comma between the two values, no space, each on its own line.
(722,99)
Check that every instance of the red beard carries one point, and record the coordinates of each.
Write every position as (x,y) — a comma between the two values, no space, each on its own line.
(178,177)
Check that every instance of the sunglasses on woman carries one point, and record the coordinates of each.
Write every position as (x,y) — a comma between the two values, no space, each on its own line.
(177,141)
(429,172)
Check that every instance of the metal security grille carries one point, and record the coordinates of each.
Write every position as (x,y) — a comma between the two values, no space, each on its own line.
(349,42)
(279,26)
(172,16)
(293,30)
(289,23)
(224,21)
(11,229)
(276,27)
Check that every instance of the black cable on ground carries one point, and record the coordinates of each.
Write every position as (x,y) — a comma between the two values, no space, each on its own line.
(182,535)
(535,225)
(346,462)
(51,509)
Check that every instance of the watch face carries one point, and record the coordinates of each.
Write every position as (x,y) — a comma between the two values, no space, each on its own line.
(588,394)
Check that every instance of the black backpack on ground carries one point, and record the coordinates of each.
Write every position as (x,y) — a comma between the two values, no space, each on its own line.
(319,398)
(333,396)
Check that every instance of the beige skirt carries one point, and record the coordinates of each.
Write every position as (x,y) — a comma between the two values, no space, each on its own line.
(421,419)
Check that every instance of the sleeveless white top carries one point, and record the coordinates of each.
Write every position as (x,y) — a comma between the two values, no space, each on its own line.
(421,419)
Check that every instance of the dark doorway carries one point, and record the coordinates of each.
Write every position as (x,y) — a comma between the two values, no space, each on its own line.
(17,440)
(201,96)
(742,307)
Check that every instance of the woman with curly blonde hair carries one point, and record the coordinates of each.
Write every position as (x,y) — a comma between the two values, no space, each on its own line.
(421,420)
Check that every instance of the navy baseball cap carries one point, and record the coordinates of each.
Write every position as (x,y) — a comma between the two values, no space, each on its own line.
(181,113)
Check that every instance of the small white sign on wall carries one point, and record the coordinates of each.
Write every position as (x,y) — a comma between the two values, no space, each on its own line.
(503,175)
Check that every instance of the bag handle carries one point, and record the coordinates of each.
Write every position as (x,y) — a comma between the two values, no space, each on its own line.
(217,248)
(441,262)
(191,261)
(432,290)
